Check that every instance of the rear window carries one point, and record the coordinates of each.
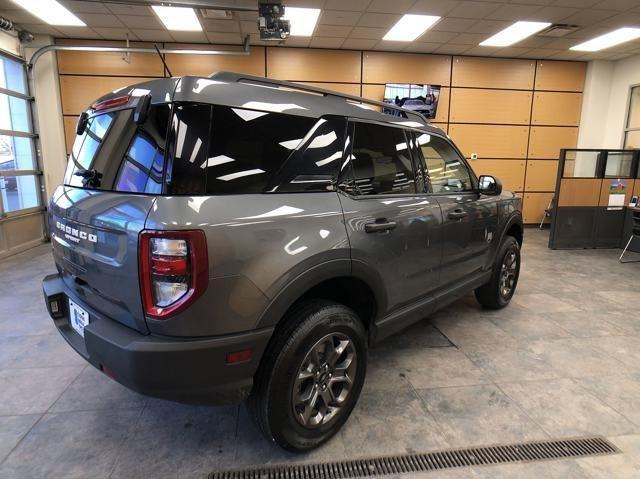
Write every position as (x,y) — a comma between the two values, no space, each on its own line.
(127,157)
(248,151)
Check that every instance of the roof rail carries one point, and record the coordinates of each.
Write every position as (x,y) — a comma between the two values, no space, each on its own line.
(241,77)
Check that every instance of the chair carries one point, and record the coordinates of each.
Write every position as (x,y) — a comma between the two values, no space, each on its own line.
(635,233)
(547,212)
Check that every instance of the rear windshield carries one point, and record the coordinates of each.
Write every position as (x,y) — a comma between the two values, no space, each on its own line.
(207,150)
(126,157)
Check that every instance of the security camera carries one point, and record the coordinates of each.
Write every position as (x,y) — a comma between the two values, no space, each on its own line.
(271,25)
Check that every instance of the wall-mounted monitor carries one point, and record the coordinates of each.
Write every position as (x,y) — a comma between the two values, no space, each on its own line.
(420,98)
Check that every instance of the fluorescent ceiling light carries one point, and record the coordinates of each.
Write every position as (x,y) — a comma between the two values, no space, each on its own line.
(51,12)
(178,18)
(514,33)
(303,20)
(607,40)
(410,27)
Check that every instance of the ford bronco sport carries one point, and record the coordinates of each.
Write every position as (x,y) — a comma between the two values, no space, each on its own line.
(235,237)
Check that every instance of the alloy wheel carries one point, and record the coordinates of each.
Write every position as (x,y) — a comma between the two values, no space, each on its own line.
(508,272)
(324,380)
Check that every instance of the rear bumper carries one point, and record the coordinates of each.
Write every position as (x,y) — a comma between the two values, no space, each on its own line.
(185,370)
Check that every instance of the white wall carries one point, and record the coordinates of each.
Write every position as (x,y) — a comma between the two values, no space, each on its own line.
(46,90)
(605,101)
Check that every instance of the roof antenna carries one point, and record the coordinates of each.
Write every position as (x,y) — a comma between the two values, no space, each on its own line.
(166,67)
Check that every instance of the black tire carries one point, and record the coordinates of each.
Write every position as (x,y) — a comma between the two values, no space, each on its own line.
(272,403)
(492,295)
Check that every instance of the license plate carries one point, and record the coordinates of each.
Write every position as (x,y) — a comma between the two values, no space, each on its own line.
(78,317)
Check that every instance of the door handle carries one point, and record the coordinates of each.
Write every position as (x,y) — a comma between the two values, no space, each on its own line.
(456,214)
(376,227)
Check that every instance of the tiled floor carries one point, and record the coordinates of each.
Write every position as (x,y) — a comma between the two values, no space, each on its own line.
(562,360)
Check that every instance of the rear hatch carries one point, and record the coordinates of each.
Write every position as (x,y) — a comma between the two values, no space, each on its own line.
(115,170)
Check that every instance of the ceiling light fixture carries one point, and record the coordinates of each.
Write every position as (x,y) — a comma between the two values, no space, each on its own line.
(303,20)
(410,27)
(51,12)
(181,19)
(514,34)
(621,35)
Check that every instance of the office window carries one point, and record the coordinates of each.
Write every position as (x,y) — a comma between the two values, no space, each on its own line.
(632,128)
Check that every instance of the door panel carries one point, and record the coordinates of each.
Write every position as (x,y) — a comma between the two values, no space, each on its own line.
(407,257)
(466,239)
(391,228)
(469,219)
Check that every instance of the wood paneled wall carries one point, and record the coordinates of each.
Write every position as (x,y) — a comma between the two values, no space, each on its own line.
(514,114)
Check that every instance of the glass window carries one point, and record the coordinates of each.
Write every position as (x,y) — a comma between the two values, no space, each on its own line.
(19,192)
(255,152)
(130,157)
(14,114)
(315,163)
(12,75)
(581,164)
(17,153)
(381,160)
(618,165)
(191,127)
(447,171)
(632,128)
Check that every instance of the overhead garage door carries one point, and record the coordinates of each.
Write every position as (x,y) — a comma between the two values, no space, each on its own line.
(21,218)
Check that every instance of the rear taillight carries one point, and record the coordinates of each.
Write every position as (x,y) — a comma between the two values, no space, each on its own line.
(174,270)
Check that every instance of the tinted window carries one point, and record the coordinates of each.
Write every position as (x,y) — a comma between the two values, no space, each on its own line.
(129,157)
(190,141)
(381,160)
(447,171)
(315,163)
(249,151)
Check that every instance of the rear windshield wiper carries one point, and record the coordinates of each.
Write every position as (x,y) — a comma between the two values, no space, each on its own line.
(90,177)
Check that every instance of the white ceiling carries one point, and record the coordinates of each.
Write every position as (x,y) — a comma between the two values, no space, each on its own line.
(361,24)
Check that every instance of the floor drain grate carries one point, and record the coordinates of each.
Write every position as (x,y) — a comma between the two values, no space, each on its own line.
(430,461)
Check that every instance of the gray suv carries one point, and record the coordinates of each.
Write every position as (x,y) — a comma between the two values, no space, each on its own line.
(234,237)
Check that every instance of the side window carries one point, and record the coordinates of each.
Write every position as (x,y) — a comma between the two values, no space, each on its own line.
(190,141)
(250,149)
(381,160)
(418,164)
(447,171)
(315,163)
(143,164)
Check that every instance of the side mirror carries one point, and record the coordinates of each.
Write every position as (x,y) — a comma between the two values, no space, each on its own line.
(489,185)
